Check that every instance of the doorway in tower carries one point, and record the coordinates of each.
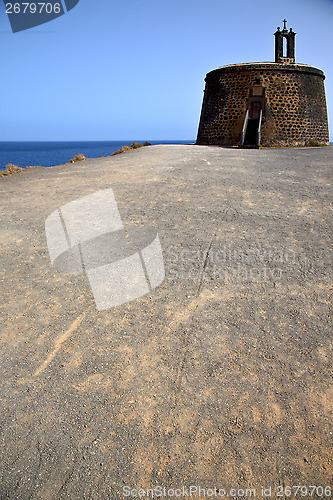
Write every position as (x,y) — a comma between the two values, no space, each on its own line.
(250,136)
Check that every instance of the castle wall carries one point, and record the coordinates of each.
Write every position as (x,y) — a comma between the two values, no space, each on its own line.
(294,104)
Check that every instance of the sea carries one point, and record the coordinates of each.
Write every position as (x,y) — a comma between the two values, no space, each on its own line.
(47,154)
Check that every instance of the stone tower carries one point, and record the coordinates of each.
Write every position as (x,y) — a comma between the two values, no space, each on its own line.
(265,104)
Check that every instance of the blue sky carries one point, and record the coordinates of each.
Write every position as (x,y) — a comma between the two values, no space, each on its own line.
(113,70)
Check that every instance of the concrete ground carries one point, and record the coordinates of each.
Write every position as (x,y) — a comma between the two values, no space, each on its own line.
(219,378)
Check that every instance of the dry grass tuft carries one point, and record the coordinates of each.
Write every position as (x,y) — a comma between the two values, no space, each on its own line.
(10,169)
(78,157)
(134,145)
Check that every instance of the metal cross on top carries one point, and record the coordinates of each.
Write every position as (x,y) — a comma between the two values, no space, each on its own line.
(284,24)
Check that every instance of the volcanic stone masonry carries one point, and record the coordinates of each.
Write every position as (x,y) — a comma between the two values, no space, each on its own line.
(265,104)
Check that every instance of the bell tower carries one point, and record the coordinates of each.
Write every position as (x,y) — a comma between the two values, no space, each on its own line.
(289,58)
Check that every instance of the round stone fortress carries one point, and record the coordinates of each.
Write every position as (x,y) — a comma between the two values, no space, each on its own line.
(265,104)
